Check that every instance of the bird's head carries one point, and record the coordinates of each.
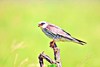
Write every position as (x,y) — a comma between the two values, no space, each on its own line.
(43,24)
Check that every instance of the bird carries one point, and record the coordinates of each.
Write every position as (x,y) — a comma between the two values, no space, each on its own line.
(58,34)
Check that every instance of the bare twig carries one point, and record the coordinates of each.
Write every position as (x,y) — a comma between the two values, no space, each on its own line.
(41,60)
(56,53)
(46,57)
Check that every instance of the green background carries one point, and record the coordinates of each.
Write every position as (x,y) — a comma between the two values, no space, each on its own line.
(21,41)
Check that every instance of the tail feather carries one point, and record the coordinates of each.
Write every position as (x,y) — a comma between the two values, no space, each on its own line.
(79,41)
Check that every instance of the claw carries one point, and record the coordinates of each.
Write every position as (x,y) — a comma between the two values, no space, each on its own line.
(53,44)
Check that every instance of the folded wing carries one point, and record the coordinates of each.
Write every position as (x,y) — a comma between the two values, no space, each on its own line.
(56,30)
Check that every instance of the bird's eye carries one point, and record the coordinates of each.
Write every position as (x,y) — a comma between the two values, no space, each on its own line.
(42,23)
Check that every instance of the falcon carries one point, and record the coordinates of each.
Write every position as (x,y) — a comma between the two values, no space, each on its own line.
(57,34)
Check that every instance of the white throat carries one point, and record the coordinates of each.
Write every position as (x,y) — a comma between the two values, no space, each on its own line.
(45,25)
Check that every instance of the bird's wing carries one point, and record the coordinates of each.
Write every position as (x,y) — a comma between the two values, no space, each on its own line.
(56,30)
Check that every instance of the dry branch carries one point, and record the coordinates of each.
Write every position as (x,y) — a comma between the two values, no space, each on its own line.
(56,60)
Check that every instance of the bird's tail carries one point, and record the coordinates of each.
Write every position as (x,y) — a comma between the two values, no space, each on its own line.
(79,41)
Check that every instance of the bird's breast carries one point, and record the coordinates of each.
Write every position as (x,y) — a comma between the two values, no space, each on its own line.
(48,33)
(52,35)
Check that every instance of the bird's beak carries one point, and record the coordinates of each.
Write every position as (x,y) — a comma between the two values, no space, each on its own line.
(39,25)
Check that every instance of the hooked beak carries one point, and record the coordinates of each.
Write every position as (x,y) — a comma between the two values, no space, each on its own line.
(39,25)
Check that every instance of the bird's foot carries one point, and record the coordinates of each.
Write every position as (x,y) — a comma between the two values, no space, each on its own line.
(53,44)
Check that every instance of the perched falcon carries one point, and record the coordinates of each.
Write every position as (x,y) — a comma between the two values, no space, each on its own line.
(57,34)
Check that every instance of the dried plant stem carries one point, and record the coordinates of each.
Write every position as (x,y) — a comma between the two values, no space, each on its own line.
(56,60)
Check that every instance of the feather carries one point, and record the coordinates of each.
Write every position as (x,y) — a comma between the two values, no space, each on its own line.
(56,30)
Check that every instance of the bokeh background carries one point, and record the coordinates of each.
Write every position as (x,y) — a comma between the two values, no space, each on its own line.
(21,41)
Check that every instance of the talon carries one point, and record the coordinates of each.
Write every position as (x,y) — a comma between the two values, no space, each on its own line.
(52,44)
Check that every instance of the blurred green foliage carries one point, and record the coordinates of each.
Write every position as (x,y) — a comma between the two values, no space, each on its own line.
(21,41)
(52,65)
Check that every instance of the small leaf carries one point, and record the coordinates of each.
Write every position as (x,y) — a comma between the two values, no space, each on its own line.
(52,65)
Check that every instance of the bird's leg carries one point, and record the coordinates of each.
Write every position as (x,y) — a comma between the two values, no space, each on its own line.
(52,44)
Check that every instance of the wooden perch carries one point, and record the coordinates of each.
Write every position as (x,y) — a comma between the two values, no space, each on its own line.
(46,57)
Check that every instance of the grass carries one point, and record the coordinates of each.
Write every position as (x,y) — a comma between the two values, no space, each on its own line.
(21,40)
